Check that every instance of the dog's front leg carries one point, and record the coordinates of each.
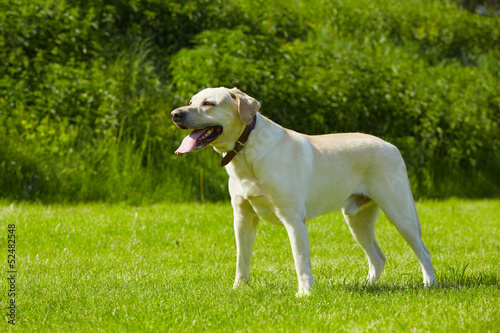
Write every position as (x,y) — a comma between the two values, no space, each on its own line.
(299,239)
(245,229)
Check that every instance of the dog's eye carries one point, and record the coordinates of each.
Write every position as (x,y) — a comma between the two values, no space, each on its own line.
(207,103)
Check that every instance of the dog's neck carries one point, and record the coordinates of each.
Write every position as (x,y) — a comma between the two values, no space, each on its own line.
(261,141)
(240,143)
(227,144)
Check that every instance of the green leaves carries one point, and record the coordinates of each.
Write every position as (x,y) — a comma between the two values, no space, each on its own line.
(422,75)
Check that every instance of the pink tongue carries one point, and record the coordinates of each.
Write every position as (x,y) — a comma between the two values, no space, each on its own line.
(189,142)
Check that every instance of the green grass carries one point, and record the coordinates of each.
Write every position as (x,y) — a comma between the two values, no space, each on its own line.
(115,268)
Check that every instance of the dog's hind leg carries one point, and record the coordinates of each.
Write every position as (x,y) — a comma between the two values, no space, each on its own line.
(397,203)
(361,214)
(408,226)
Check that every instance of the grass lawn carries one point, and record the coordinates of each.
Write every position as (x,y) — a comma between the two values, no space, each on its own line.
(170,267)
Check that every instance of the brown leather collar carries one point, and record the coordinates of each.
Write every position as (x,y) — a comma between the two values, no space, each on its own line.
(240,143)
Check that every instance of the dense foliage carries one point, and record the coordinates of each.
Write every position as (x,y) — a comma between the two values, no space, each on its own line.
(86,88)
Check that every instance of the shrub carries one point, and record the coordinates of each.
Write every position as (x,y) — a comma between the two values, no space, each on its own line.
(86,89)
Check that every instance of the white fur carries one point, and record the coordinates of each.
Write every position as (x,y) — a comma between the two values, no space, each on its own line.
(288,178)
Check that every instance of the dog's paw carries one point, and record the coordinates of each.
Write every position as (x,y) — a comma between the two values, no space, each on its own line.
(430,283)
(303,293)
(240,284)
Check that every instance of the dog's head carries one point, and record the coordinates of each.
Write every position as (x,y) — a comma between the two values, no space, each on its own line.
(217,117)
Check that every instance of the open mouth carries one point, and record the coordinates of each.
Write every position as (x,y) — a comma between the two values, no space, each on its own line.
(199,138)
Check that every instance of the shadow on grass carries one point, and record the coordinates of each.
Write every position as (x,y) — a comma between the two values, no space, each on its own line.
(453,277)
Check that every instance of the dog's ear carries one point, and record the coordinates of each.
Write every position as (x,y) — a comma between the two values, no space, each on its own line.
(247,106)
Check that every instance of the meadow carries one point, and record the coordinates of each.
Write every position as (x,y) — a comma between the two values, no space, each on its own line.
(112,232)
(170,267)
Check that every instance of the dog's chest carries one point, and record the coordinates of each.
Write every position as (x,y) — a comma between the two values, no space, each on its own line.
(258,193)
(248,187)
(264,207)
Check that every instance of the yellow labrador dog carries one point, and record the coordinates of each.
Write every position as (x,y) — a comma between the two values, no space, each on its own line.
(287,178)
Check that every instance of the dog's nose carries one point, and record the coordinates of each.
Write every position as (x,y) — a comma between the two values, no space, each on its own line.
(176,114)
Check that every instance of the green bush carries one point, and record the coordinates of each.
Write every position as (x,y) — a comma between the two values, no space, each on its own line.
(442,117)
(86,89)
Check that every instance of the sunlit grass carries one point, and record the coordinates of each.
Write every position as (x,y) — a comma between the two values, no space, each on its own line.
(170,267)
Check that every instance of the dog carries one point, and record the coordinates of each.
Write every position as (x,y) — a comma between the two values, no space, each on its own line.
(288,178)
